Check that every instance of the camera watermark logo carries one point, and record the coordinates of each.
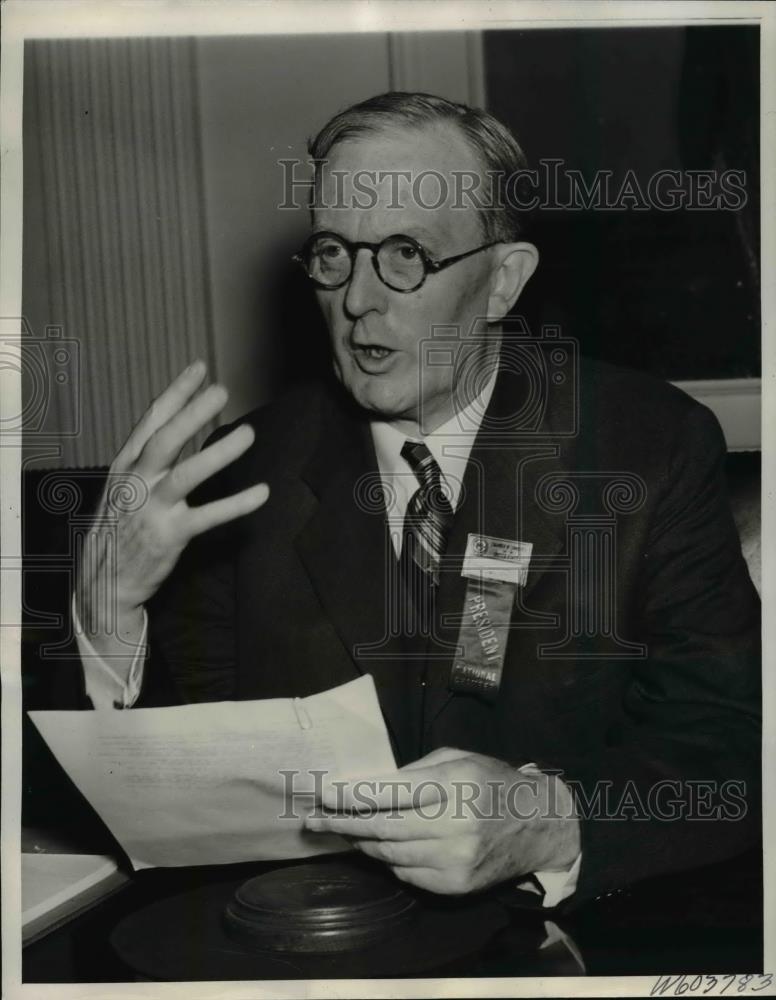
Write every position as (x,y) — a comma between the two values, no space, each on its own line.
(49,369)
(569,520)
(542,370)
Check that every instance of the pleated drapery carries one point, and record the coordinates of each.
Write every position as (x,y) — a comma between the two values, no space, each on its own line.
(119,229)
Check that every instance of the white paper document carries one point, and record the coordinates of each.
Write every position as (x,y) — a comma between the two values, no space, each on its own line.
(220,782)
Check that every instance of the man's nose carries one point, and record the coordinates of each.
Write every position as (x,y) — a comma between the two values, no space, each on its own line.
(365,292)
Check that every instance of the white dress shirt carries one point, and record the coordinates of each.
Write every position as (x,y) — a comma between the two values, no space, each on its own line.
(103,685)
(451,445)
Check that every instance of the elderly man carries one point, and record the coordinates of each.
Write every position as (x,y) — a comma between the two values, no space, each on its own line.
(546,586)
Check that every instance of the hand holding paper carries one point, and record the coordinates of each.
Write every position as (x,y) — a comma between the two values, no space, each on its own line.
(457,822)
(221,782)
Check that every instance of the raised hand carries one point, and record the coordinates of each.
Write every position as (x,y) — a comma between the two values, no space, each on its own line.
(143,522)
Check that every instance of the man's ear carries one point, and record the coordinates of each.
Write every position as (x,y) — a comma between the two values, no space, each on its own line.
(515,264)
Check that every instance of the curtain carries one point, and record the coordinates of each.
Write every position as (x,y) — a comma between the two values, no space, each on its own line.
(116,285)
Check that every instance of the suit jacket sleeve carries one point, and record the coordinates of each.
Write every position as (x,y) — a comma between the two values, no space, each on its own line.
(684,767)
(192,635)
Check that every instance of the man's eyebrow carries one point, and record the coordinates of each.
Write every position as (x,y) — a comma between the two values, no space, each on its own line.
(426,237)
(433,241)
(317,230)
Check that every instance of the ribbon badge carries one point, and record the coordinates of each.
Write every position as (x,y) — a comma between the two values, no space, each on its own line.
(495,568)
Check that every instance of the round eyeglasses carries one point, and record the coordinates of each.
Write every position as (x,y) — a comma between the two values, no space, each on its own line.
(400,262)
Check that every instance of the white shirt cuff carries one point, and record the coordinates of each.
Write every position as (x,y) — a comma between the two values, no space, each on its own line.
(557,885)
(103,685)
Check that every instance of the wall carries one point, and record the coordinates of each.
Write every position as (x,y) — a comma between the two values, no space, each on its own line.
(114,255)
(151,232)
(260,99)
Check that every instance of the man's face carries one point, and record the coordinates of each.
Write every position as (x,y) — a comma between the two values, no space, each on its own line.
(376,332)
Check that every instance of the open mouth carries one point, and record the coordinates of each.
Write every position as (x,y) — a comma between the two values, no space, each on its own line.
(372,358)
(375,353)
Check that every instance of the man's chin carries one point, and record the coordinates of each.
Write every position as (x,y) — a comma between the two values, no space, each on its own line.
(381,405)
(383,411)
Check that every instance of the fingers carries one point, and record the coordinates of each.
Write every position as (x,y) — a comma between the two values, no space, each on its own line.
(397,825)
(410,854)
(439,756)
(166,442)
(426,864)
(183,478)
(165,406)
(445,882)
(218,512)
(394,791)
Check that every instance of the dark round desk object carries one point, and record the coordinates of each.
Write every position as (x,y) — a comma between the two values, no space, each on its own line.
(362,922)
(318,909)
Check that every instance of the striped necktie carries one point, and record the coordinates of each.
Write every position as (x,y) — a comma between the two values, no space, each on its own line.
(429,514)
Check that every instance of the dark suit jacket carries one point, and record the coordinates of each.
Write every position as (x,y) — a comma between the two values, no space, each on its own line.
(640,670)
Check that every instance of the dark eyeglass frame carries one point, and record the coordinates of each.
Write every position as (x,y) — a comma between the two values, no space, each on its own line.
(430,265)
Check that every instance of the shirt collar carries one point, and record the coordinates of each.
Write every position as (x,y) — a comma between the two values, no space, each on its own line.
(450,444)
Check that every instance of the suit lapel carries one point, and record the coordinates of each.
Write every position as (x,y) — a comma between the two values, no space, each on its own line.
(346,549)
(507,462)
